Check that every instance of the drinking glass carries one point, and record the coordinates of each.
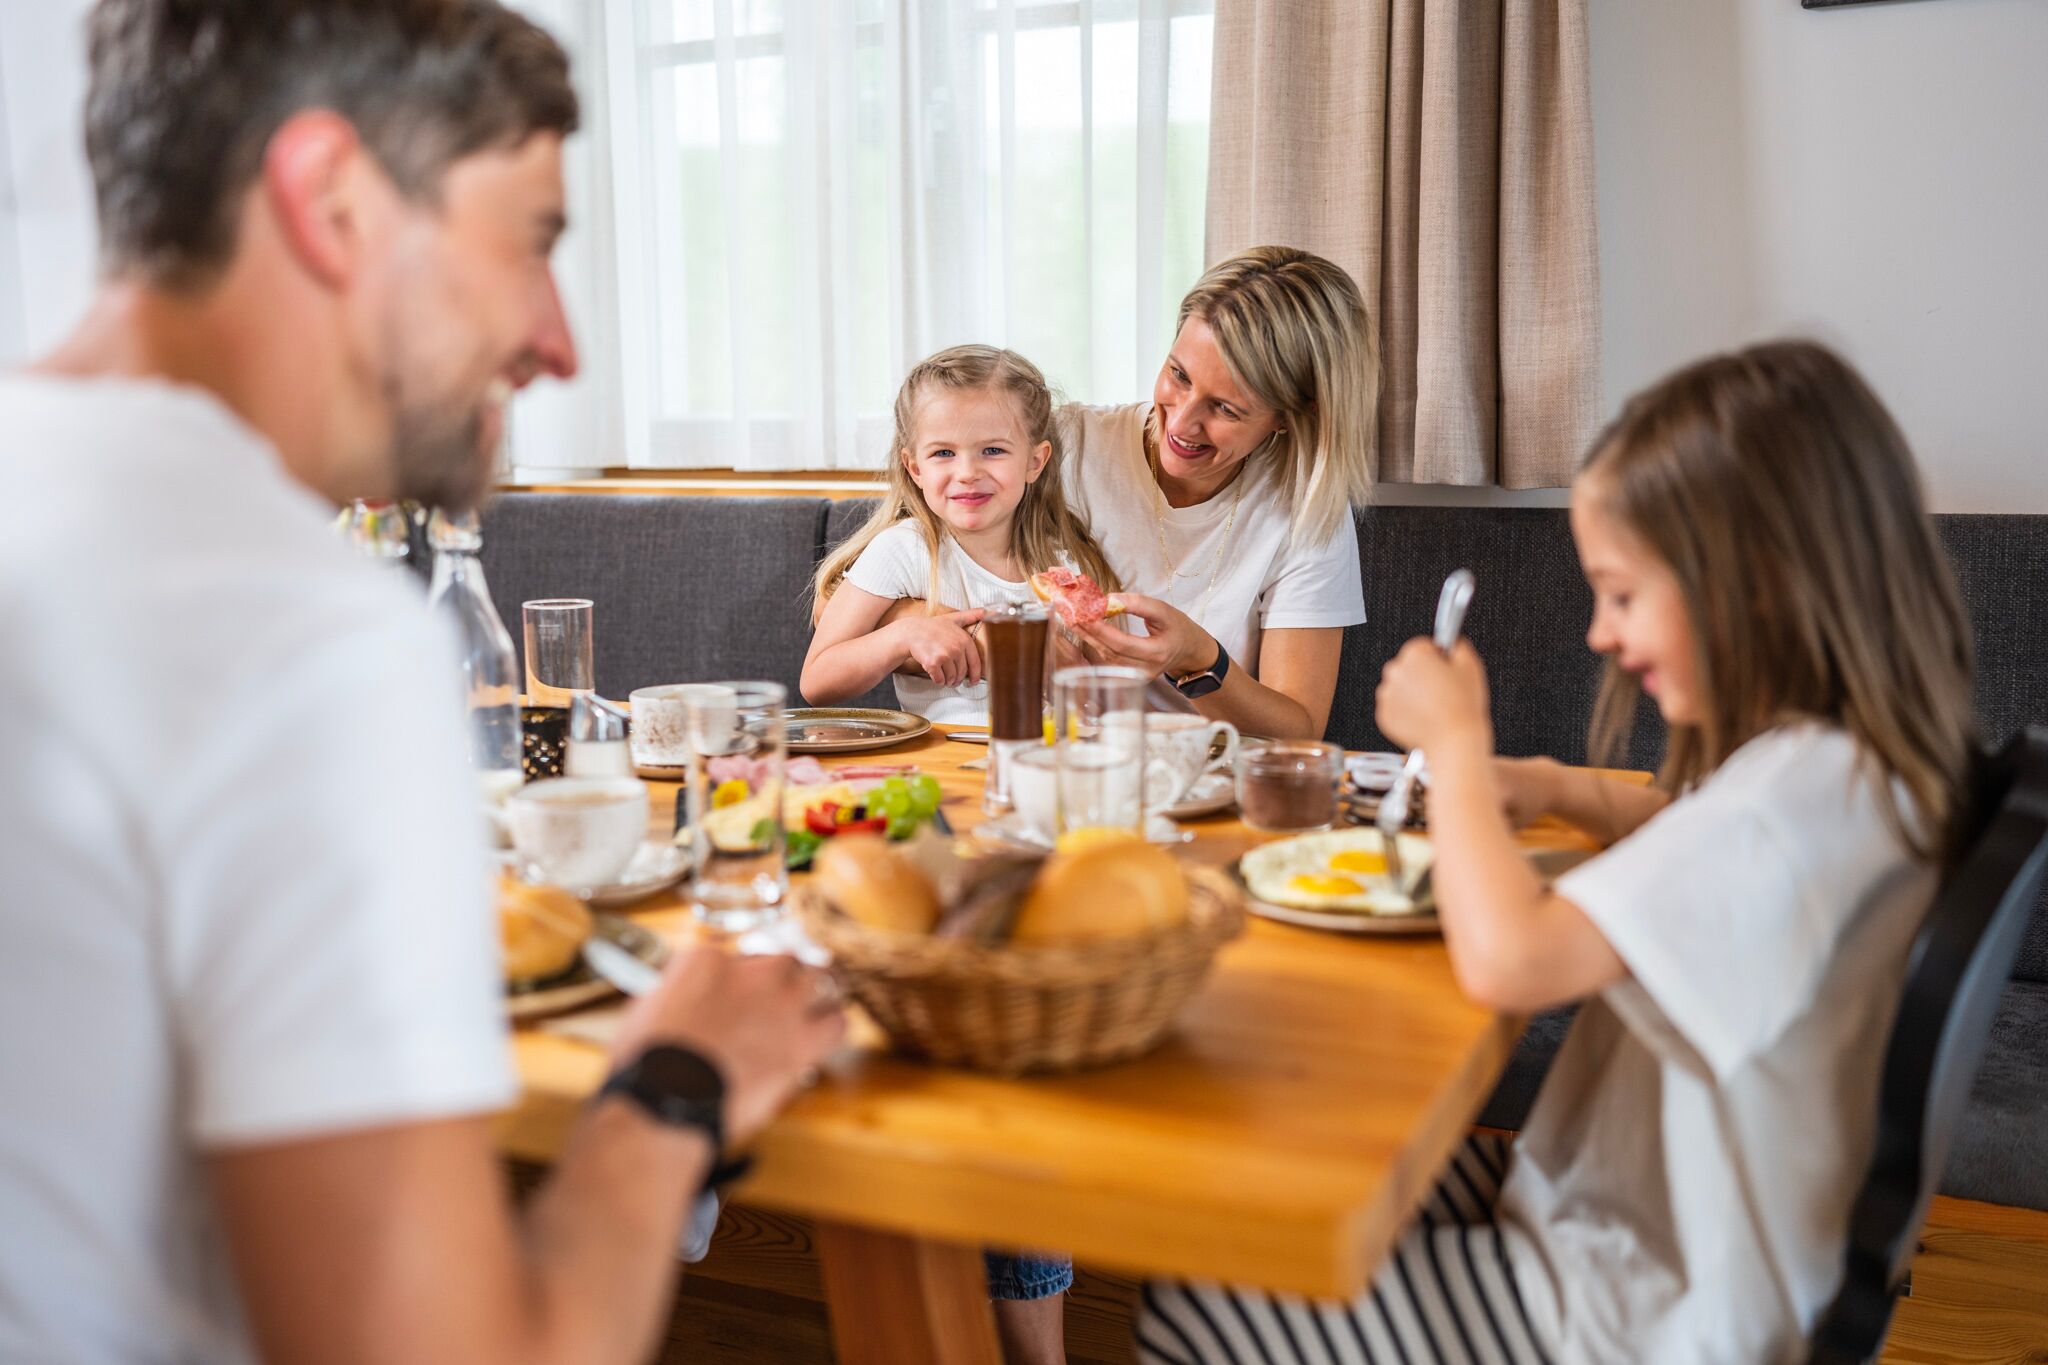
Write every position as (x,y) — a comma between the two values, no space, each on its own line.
(738,742)
(1018,636)
(1289,785)
(1099,749)
(561,659)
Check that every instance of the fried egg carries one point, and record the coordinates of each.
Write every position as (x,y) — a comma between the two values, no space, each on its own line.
(1342,870)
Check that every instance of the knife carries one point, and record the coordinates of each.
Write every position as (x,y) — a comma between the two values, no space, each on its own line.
(619,967)
(1393,812)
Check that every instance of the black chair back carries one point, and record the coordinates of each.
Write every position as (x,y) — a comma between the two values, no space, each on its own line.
(1958,969)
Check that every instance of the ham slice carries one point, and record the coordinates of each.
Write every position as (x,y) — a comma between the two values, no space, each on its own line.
(1075,596)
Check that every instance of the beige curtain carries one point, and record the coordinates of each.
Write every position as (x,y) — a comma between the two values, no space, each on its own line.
(1441,151)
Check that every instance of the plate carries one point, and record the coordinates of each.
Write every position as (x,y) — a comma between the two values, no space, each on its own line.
(1550,862)
(579,985)
(1011,829)
(1211,793)
(850,729)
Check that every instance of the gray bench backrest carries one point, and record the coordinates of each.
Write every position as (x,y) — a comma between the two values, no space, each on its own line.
(686,589)
(692,588)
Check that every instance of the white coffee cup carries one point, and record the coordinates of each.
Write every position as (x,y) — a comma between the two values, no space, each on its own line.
(1177,746)
(661,721)
(578,832)
(1034,790)
(1177,749)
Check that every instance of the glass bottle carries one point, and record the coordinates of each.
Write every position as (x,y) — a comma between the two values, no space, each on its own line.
(490,670)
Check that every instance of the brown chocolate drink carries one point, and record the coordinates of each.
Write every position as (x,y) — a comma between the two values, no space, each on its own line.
(1017,641)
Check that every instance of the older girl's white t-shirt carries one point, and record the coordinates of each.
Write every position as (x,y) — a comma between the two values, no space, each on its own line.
(896,565)
(1230,563)
(1682,1190)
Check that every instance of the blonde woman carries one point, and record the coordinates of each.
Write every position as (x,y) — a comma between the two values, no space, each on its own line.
(1228,497)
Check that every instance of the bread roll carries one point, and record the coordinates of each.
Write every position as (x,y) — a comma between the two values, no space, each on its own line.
(543,929)
(1115,890)
(870,882)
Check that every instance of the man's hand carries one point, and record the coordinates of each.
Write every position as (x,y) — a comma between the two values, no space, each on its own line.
(943,646)
(765,1021)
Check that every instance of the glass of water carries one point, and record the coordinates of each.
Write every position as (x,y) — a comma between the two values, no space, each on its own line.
(1098,717)
(738,744)
(561,658)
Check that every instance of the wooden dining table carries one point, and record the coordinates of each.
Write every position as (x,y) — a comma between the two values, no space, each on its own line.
(1281,1135)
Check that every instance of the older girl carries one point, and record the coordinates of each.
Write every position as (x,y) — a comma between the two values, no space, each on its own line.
(1763,567)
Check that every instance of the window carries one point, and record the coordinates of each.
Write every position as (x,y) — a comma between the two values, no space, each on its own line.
(797,199)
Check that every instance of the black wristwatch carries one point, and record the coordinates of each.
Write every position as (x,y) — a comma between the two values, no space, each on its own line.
(1208,680)
(682,1089)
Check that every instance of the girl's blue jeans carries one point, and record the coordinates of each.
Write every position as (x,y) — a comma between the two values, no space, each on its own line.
(1027,1277)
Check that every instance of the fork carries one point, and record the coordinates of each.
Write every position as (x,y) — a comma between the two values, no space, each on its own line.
(1393,812)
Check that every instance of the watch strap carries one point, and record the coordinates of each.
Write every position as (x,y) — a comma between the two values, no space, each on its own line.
(703,1110)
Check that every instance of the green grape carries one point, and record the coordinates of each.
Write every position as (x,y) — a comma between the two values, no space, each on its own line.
(924,793)
(892,798)
(902,826)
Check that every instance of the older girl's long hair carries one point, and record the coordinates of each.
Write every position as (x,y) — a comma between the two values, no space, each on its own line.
(1784,499)
(1044,530)
(1294,330)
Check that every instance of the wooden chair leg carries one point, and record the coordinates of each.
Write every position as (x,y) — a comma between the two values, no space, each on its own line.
(899,1300)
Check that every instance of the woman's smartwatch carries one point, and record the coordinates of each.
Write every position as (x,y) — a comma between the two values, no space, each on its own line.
(1208,680)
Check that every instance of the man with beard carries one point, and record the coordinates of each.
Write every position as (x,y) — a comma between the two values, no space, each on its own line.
(249,1017)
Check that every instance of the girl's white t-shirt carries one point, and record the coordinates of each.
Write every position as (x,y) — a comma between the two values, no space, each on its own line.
(1682,1190)
(1230,563)
(896,565)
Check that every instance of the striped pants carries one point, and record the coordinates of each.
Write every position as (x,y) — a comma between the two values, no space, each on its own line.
(1444,1297)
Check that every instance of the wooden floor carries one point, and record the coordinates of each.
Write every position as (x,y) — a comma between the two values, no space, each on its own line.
(1979,1295)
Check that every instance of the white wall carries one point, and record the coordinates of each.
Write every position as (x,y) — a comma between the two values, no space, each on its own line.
(1875,176)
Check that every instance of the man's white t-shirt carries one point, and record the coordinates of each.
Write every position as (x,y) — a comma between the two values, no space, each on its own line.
(1682,1190)
(244,899)
(1230,563)
(897,564)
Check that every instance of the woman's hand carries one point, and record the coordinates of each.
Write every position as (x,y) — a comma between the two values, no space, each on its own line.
(943,646)
(1428,701)
(1172,644)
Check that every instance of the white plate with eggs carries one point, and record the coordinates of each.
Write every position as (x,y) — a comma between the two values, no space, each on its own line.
(1338,879)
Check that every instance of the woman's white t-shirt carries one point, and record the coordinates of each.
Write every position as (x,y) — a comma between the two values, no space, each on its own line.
(896,565)
(1682,1190)
(1230,563)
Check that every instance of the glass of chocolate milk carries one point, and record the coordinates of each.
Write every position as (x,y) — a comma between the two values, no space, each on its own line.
(1019,647)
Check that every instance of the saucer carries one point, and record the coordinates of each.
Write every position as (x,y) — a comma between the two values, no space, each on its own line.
(655,866)
(1012,829)
(1212,792)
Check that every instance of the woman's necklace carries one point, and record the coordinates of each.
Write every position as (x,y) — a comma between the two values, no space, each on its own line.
(1222,542)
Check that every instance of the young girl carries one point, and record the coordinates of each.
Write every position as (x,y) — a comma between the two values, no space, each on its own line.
(1762,566)
(974,508)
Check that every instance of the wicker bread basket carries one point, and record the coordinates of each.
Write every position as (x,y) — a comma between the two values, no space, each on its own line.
(1056,1007)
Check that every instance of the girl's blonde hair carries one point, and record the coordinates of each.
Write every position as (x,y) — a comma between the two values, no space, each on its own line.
(1783,498)
(1294,331)
(1044,530)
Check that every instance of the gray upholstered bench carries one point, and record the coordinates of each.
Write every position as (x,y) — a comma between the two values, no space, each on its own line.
(691,588)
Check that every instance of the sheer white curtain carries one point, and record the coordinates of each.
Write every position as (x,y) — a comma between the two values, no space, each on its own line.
(787,204)
(47,234)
